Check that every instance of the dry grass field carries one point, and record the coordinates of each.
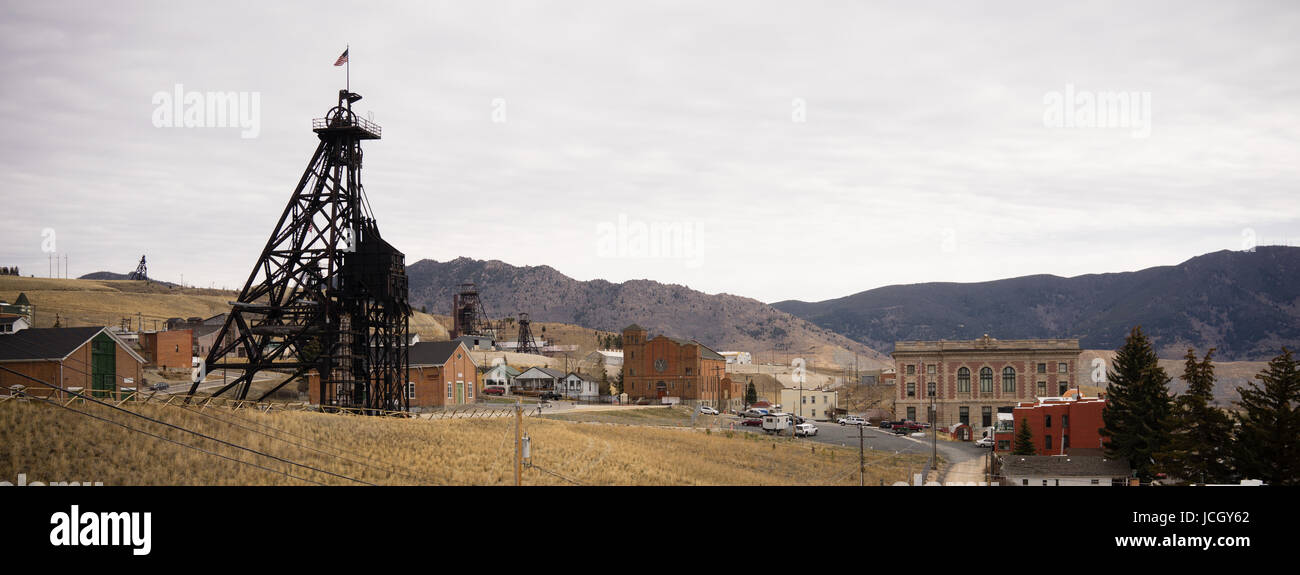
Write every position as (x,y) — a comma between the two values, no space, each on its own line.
(48,443)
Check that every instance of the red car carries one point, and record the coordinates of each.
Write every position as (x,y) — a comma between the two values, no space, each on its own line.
(494,391)
(752,422)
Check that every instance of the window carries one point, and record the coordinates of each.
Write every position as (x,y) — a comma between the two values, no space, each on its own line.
(1047,422)
(814,413)
(1042,388)
(449,389)
(911,414)
(1042,368)
(814,400)
(911,389)
(1062,368)
(986,413)
(1095,482)
(1008,379)
(1065,422)
(965,414)
(469,392)
(1047,439)
(1064,386)
(1004,445)
(1066,440)
(803,400)
(930,369)
(911,369)
(963,380)
(929,389)
(688,371)
(410,390)
(1024,482)
(986,380)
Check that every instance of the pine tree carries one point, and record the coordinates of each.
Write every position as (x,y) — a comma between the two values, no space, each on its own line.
(1200,432)
(1024,440)
(751,394)
(1138,407)
(1267,442)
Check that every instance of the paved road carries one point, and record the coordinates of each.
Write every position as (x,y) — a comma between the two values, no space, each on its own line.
(964,458)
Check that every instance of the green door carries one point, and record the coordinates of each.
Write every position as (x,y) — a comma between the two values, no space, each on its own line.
(460,392)
(103,361)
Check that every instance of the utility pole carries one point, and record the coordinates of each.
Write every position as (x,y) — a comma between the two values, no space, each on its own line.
(519,442)
(862,461)
(934,434)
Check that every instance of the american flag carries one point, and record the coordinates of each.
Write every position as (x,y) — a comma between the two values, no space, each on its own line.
(342,59)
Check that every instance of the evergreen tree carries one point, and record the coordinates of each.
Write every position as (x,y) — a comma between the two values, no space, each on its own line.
(751,394)
(1024,440)
(1199,432)
(1267,443)
(1138,407)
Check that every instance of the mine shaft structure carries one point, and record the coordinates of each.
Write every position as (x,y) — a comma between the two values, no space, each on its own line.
(141,271)
(327,299)
(525,340)
(468,316)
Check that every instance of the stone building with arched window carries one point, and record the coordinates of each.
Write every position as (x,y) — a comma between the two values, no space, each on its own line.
(970,381)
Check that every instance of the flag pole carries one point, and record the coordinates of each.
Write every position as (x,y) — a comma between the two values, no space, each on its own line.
(348,68)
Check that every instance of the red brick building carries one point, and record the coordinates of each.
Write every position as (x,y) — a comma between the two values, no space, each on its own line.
(86,359)
(171,349)
(662,366)
(971,381)
(1060,426)
(442,373)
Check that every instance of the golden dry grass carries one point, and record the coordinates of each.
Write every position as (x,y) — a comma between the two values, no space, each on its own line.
(50,444)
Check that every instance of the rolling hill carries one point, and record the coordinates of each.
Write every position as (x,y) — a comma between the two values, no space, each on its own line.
(1245,304)
(721,321)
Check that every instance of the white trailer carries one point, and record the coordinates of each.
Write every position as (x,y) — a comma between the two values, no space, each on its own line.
(777,422)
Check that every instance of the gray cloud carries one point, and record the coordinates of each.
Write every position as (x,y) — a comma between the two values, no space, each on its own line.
(923,155)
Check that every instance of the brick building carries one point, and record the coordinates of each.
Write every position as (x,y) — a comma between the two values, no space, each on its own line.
(86,359)
(659,367)
(442,373)
(970,381)
(171,349)
(1068,425)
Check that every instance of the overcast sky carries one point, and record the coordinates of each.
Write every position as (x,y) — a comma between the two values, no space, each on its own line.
(808,151)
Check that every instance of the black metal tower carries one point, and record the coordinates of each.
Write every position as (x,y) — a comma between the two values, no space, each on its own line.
(525,340)
(141,271)
(468,316)
(328,293)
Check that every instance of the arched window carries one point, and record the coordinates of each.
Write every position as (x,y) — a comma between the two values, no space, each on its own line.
(1008,379)
(986,380)
(963,380)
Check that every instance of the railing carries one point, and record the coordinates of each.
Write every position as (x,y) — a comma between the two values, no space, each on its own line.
(343,122)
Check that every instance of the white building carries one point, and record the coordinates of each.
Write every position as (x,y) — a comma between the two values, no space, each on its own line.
(539,379)
(502,376)
(13,323)
(737,357)
(577,386)
(809,403)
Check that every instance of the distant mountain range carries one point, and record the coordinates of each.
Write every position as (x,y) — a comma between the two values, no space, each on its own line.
(1245,304)
(722,322)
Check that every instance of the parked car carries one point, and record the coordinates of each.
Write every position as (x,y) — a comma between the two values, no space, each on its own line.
(984,442)
(494,391)
(160,386)
(886,424)
(853,420)
(550,395)
(752,422)
(899,429)
(805,430)
(755,412)
(708,410)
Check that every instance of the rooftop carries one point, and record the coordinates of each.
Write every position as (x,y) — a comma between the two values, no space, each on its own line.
(1063,466)
(987,343)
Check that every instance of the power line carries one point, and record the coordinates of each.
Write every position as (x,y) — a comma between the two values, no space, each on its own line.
(169,440)
(212,416)
(190,431)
